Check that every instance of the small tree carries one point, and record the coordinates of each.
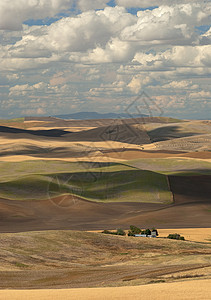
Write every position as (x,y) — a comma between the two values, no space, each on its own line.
(147,231)
(134,229)
(120,232)
(154,229)
(130,233)
(106,231)
(175,236)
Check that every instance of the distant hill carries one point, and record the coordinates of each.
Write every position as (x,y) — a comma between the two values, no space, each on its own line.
(96,115)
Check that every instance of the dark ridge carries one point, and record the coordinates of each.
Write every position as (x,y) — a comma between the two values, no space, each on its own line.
(50,133)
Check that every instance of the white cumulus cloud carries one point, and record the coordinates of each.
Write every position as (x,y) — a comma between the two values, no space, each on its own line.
(167,24)
(200,95)
(103,55)
(147,3)
(14,13)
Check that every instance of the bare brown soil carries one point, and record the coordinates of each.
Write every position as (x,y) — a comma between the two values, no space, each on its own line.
(76,214)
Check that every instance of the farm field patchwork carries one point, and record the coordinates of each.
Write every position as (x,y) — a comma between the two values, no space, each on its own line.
(53,189)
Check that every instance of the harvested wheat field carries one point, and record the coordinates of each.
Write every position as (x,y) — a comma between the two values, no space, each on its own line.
(190,234)
(55,259)
(194,290)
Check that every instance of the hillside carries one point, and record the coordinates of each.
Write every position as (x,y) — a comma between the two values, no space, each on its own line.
(55,259)
(105,183)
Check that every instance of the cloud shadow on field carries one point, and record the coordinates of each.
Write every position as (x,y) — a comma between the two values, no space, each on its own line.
(46,133)
(168,133)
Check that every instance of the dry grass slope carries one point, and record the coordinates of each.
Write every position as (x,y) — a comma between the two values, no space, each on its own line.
(56,259)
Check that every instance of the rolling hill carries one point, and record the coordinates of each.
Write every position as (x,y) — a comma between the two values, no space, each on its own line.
(103,173)
(74,259)
(118,183)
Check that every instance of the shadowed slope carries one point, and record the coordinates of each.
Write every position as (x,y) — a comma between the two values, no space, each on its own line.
(121,132)
(188,189)
(168,133)
(50,133)
(163,132)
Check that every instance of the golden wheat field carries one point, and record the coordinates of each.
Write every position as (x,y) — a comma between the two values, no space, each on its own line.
(190,234)
(186,290)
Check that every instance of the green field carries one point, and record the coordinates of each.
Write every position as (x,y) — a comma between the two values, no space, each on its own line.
(142,180)
(104,182)
(13,170)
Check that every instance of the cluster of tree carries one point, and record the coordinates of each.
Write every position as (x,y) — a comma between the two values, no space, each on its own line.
(133,230)
(175,236)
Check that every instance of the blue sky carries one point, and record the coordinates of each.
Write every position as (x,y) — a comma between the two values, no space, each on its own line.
(67,56)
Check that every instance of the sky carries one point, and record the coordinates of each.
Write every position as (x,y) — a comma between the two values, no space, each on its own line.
(65,56)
